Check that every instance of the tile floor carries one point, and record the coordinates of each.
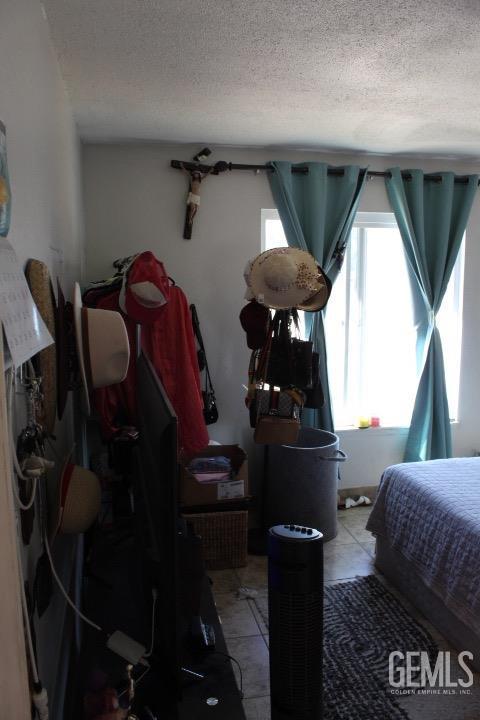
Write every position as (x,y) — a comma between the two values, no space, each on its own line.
(350,554)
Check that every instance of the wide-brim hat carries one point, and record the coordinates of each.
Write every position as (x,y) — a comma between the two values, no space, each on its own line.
(102,346)
(78,500)
(287,277)
(38,278)
(318,301)
(145,288)
(67,362)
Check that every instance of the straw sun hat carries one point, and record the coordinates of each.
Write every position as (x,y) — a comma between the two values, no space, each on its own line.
(287,277)
(38,279)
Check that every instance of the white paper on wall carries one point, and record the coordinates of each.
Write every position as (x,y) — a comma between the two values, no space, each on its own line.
(25,331)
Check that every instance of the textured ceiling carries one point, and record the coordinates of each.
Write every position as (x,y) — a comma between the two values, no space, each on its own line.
(375,75)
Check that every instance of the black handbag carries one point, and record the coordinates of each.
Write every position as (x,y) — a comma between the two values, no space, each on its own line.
(279,368)
(210,410)
(314,397)
(302,356)
(290,359)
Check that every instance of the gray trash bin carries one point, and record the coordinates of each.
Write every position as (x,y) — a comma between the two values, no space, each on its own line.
(302,482)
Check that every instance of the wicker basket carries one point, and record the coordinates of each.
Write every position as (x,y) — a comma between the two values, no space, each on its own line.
(224,536)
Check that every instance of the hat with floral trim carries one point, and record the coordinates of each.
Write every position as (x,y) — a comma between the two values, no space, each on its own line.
(287,277)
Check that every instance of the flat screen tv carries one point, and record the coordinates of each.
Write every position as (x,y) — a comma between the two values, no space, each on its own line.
(156,523)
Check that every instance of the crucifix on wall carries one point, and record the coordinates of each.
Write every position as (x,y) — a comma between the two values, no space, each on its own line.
(193,199)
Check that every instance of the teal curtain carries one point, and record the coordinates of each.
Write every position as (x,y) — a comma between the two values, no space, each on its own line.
(317,211)
(432,217)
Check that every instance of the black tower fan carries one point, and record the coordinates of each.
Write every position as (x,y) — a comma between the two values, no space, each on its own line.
(295,604)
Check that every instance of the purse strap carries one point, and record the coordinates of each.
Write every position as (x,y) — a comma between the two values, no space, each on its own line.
(281,334)
(264,354)
(198,335)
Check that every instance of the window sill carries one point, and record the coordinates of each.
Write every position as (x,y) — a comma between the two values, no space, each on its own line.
(382,429)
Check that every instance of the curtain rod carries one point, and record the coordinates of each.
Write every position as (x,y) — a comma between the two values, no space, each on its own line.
(222,166)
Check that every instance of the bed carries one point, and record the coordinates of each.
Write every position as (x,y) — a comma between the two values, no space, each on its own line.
(426,519)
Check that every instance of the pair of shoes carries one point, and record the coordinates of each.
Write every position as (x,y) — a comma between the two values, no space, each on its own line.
(357,500)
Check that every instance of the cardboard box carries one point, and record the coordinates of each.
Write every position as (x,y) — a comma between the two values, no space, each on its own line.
(193,492)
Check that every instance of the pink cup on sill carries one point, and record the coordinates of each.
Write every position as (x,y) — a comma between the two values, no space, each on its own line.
(374,422)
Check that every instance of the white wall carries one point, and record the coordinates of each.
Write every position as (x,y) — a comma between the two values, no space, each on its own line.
(135,201)
(43,158)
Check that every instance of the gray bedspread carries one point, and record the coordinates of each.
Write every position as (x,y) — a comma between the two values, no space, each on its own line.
(430,513)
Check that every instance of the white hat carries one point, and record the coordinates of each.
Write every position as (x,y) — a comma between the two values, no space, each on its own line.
(103,349)
(78,500)
(145,288)
(287,277)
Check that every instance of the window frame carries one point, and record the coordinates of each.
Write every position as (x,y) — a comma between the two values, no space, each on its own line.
(363,221)
(266,214)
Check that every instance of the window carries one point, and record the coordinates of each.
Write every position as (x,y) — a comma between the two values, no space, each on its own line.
(371,338)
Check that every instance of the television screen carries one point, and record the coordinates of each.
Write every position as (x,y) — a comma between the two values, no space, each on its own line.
(156,519)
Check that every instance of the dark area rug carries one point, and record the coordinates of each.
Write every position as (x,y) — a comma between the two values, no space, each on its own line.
(364,623)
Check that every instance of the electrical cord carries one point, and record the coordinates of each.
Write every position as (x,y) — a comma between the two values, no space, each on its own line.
(16,464)
(154,604)
(34,480)
(229,657)
(63,591)
(150,714)
(137,681)
(26,618)
(39,694)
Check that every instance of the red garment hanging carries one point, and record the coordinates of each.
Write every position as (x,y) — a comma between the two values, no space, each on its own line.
(169,343)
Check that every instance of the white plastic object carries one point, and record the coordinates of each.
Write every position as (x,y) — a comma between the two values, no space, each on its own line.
(34,466)
(126,647)
(40,700)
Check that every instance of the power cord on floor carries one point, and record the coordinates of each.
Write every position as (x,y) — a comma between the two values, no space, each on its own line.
(229,657)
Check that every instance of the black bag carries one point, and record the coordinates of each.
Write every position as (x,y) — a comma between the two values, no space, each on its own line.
(210,410)
(302,354)
(290,360)
(314,397)
(279,370)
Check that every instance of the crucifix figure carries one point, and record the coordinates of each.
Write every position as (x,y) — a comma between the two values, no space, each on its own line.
(193,200)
